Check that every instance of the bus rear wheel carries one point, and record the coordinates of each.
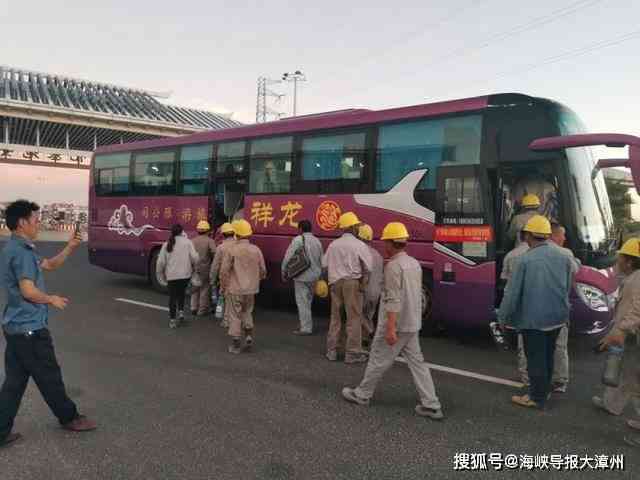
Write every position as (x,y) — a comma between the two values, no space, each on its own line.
(430,326)
(153,274)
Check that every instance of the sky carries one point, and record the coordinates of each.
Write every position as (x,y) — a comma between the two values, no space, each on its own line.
(371,54)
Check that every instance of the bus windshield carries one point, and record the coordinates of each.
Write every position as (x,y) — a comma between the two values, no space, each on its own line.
(593,216)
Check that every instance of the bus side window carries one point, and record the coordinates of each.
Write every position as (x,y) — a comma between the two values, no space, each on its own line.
(154,173)
(270,165)
(194,169)
(112,174)
(462,195)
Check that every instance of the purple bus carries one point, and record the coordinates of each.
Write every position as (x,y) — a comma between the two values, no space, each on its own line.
(454,172)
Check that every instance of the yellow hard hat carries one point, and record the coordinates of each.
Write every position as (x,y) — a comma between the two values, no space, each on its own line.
(322,289)
(242,228)
(347,220)
(227,228)
(631,247)
(395,231)
(538,225)
(530,200)
(203,226)
(365,232)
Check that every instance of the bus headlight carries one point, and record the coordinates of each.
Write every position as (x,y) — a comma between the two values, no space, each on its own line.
(593,297)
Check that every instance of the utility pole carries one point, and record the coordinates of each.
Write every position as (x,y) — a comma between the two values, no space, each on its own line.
(294,77)
(262,109)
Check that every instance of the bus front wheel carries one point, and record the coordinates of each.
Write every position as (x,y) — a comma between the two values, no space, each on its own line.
(153,274)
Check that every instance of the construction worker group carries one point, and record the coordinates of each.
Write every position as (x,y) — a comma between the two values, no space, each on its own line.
(539,274)
(360,284)
(355,276)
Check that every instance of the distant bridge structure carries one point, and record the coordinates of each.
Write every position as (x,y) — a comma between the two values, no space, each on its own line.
(57,121)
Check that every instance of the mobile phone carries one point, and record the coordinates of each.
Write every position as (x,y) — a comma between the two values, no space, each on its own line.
(78,232)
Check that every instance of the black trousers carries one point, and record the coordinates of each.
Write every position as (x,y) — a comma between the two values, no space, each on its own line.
(32,356)
(177,295)
(540,347)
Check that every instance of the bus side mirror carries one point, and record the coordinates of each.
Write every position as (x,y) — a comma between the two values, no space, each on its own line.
(593,139)
(608,163)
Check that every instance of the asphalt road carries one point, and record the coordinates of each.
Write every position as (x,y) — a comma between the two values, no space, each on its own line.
(175,405)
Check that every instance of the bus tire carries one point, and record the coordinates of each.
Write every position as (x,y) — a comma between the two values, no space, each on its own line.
(430,326)
(153,275)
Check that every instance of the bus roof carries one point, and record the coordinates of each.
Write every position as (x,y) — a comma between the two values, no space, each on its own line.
(326,120)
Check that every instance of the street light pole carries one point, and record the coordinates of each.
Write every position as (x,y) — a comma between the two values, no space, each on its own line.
(294,77)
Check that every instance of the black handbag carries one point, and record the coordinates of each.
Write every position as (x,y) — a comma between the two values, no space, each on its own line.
(298,263)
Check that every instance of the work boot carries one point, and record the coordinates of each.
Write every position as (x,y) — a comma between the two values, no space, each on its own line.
(356,358)
(599,403)
(301,333)
(350,395)
(80,424)
(236,346)
(559,387)
(524,401)
(248,339)
(332,355)
(10,439)
(432,413)
(635,424)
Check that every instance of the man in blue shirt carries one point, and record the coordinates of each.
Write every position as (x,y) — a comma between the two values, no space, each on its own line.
(536,303)
(29,351)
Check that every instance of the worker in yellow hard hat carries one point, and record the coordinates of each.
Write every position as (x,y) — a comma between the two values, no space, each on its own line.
(374,286)
(206,248)
(560,377)
(530,206)
(625,333)
(348,262)
(399,323)
(242,270)
(302,263)
(536,304)
(228,239)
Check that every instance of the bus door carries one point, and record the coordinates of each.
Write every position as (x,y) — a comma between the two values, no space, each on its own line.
(463,248)
(512,181)
(228,198)
(229,183)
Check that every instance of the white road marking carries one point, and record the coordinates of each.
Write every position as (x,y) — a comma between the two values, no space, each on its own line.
(466,373)
(142,304)
(477,376)
(441,368)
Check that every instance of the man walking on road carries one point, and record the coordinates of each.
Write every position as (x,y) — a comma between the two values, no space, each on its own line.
(206,248)
(229,238)
(374,285)
(349,264)
(29,350)
(560,378)
(536,303)
(242,270)
(399,321)
(626,333)
(305,282)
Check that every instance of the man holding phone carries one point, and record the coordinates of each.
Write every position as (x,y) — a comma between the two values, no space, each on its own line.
(29,350)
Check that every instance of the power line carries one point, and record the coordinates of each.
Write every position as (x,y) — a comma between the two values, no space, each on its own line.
(500,36)
(575,53)
(428,28)
(570,54)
